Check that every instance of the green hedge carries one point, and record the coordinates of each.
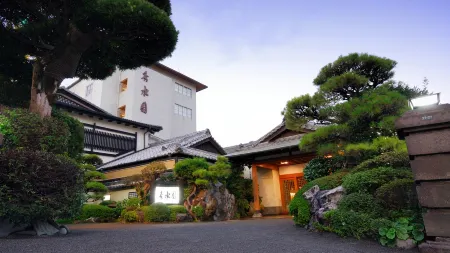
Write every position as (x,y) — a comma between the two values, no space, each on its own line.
(75,143)
(130,216)
(394,159)
(321,167)
(157,212)
(398,195)
(369,181)
(360,202)
(299,207)
(349,223)
(174,210)
(104,213)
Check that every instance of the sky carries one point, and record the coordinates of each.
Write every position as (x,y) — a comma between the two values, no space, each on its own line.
(255,55)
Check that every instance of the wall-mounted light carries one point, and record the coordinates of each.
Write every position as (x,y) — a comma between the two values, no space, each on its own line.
(427,100)
(107,197)
(328,156)
(285,162)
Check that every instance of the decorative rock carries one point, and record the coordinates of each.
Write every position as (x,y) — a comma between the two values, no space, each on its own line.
(44,228)
(7,228)
(183,217)
(63,230)
(405,244)
(92,220)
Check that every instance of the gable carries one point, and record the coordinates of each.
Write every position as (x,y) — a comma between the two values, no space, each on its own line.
(282,132)
(209,145)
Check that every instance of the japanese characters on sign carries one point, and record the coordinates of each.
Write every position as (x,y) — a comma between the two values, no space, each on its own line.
(145,76)
(167,195)
(144,107)
(144,92)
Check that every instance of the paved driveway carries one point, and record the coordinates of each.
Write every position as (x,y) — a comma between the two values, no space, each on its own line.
(267,235)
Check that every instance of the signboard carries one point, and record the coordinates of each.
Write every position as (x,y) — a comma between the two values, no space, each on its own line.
(167,195)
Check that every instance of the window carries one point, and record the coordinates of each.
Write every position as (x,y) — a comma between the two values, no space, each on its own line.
(182,111)
(132,195)
(183,90)
(121,111)
(123,85)
(89,89)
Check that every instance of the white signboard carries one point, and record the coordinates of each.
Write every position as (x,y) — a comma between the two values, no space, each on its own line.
(167,195)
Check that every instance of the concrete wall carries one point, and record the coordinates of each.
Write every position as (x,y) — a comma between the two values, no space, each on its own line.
(269,190)
(112,174)
(292,169)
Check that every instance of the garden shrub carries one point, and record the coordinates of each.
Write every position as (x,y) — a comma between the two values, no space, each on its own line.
(104,213)
(199,211)
(157,212)
(76,129)
(96,187)
(321,167)
(130,216)
(324,183)
(398,195)
(36,185)
(108,203)
(369,181)
(394,159)
(174,210)
(349,223)
(25,130)
(87,167)
(360,202)
(241,188)
(92,159)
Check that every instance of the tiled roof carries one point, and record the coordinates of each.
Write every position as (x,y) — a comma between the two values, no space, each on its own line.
(178,145)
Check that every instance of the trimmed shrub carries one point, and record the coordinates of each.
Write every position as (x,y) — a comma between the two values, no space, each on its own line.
(398,195)
(157,212)
(76,129)
(104,213)
(91,159)
(96,187)
(375,226)
(87,167)
(349,223)
(369,181)
(36,185)
(394,159)
(174,210)
(324,183)
(199,211)
(360,202)
(107,203)
(130,216)
(321,167)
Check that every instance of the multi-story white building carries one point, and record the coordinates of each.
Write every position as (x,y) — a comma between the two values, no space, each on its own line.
(156,95)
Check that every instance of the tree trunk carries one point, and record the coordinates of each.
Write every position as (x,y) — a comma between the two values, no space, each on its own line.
(39,102)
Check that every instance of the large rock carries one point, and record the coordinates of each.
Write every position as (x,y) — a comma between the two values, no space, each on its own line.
(7,228)
(218,203)
(183,217)
(322,202)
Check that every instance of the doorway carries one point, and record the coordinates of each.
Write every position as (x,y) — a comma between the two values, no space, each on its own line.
(289,185)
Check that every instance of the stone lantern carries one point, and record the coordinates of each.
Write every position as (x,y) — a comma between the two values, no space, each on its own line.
(427,134)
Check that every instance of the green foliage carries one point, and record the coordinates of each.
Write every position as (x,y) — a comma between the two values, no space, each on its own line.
(36,185)
(91,159)
(300,206)
(321,167)
(76,133)
(401,229)
(198,211)
(395,159)
(130,216)
(301,110)
(362,203)
(241,188)
(197,170)
(379,145)
(96,187)
(174,210)
(25,130)
(186,167)
(93,175)
(398,195)
(97,211)
(157,212)
(108,203)
(325,139)
(87,167)
(131,202)
(349,223)
(369,181)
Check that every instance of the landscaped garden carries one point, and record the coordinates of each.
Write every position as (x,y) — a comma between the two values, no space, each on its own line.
(357,103)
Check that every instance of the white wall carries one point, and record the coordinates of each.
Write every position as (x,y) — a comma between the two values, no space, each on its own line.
(269,187)
(292,169)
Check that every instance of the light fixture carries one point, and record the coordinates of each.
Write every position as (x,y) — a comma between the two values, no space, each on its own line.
(427,100)
(285,162)
(328,156)
(107,197)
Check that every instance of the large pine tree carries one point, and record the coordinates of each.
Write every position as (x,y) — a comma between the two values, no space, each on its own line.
(83,38)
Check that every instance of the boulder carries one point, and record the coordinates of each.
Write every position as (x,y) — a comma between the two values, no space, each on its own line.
(224,201)
(7,228)
(183,217)
(405,244)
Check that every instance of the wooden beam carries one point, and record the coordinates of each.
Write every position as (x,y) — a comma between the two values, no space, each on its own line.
(256,206)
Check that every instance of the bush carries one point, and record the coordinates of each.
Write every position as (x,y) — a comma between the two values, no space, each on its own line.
(199,211)
(36,185)
(157,212)
(369,181)
(76,129)
(104,213)
(25,130)
(324,183)
(96,187)
(321,167)
(174,210)
(130,216)
(107,203)
(91,159)
(360,202)
(394,159)
(349,223)
(398,195)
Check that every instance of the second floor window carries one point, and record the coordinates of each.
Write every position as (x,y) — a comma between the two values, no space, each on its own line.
(183,111)
(89,89)
(183,90)
(124,85)
(121,111)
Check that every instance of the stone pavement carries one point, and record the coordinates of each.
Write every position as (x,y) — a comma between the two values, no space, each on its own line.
(265,235)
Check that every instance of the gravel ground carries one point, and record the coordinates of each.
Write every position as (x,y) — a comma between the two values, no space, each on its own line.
(266,235)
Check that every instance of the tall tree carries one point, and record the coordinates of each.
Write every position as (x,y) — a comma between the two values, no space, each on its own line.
(83,38)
